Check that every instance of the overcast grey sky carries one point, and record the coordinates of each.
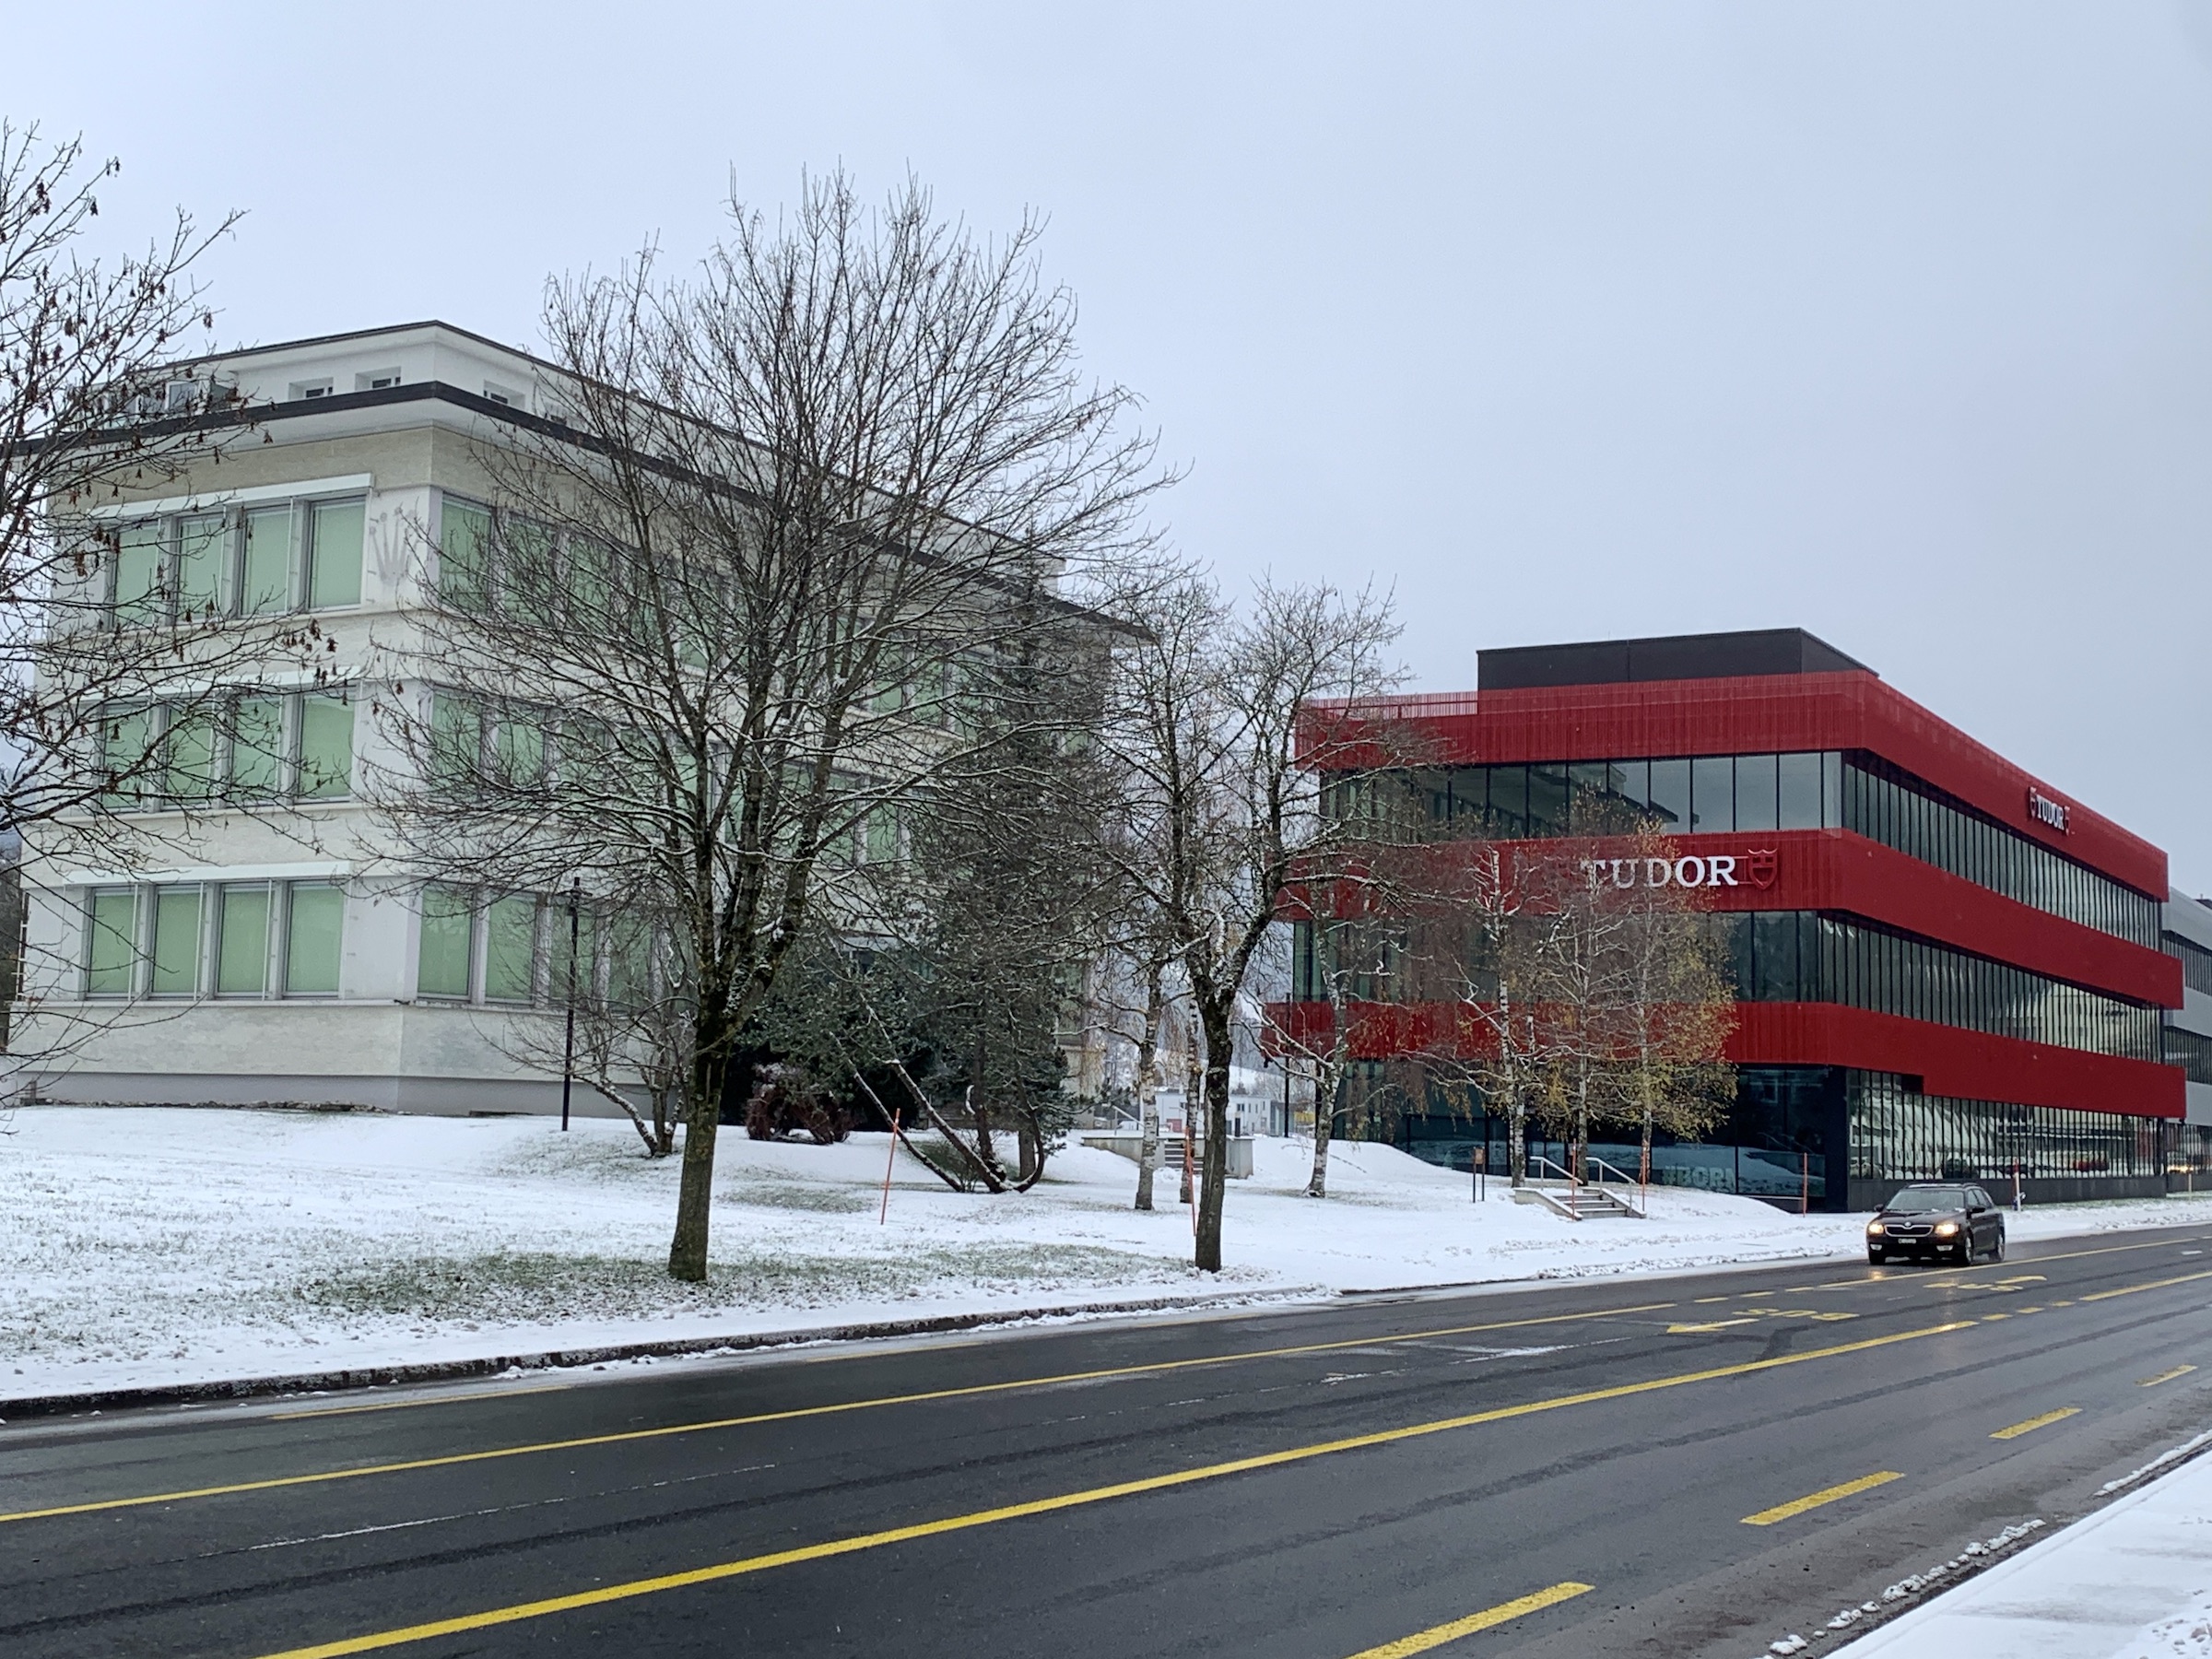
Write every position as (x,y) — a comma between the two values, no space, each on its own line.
(1893,321)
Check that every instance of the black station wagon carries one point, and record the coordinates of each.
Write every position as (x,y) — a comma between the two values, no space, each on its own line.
(1935,1221)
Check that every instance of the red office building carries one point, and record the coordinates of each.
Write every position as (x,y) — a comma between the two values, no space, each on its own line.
(1944,966)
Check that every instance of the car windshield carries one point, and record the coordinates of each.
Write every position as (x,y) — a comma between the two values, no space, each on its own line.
(1930,1198)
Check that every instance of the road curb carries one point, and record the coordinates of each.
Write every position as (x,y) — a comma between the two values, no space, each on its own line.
(438,1370)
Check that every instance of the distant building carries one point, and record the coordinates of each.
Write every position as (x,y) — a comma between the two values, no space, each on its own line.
(1946,968)
(2185,933)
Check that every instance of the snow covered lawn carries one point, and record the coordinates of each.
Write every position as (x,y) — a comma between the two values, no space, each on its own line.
(147,1246)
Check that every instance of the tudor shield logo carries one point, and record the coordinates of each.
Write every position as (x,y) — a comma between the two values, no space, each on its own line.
(1758,867)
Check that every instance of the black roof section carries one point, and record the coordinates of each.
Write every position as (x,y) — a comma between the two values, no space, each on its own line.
(1669,657)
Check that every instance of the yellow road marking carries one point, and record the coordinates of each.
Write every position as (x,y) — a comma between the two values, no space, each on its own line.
(1813,1501)
(450,1459)
(1714,1324)
(1991,1318)
(2033,1423)
(2066,1255)
(1420,1642)
(2185,1278)
(2179,1371)
(448,1399)
(1066,1501)
(1701,1300)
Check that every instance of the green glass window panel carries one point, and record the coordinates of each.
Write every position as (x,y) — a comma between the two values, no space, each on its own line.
(126,741)
(586,953)
(191,753)
(140,554)
(326,748)
(334,573)
(241,956)
(112,951)
(176,941)
(530,578)
(589,582)
(258,747)
(880,835)
(510,950)
(203,549)
(314,937)
(456,739)
(629,964)
(521,749)
(441,957)
(463,552)
(266,579)
(588,749)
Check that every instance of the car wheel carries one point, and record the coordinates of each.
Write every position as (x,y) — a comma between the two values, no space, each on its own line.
(1996,1252)
(1875,1258)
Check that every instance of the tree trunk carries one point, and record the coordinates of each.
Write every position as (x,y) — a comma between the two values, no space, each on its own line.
(1148,1095)
(1026,1145)
(1325,1125)
(1190,1116)
(1516,1151)
(695,1190)
(1213,1176)
(980,1116)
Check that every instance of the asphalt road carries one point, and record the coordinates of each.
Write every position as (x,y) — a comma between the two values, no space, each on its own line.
(1616,1467)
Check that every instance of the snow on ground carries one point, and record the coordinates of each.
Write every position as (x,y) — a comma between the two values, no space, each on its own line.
(2133,1581)
(144,1246)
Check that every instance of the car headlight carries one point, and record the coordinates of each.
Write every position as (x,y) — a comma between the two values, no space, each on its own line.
(1944,1229)
(1875,1229)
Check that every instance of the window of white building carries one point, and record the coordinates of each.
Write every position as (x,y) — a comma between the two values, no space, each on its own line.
(192,939)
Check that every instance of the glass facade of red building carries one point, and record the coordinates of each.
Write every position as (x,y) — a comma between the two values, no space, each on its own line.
(1944,966)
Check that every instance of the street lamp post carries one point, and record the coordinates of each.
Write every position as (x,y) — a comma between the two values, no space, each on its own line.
(568,1047)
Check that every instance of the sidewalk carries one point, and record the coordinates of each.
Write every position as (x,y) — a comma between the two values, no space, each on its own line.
(2133,1581)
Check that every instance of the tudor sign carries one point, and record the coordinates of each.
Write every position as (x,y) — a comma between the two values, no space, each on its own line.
(1753,868)
(2046,811)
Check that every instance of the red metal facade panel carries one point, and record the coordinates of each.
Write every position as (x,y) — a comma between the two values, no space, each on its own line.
(1971,1065)
(1753,715)
(1964,1065)
(1836,870)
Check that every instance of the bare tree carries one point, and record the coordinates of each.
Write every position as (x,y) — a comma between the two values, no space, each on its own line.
(90,406)
(724,599)
(1672,1006)
(1356,937)
(1218,732)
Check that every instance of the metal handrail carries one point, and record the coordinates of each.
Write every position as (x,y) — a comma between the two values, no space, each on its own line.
(1576,1181)
(1620,1175)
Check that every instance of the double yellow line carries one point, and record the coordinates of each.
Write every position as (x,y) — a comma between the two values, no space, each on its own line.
(748,1564)
(623,1436)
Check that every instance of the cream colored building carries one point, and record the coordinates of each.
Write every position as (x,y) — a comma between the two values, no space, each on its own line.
(259,955)
(266,954)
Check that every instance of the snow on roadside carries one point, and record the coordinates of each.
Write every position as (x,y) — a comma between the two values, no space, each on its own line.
(151,1245)
(2142,1564)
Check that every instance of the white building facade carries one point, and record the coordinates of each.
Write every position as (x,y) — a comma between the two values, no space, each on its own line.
(258,951)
